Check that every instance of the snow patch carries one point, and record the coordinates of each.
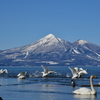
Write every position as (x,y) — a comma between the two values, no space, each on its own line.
(82,42)
(97,54)
(27,53)
(18,60)
(93,58)
(50,62)
(77,52)
(49,36)
(74,50)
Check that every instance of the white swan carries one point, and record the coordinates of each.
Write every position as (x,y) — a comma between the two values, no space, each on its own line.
(3,71)
(22,75)
(82,71)
(77,72)
(46,71)
(74,73)
(86,90)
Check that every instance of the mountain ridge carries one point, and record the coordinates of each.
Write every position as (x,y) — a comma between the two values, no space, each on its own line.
(52,51)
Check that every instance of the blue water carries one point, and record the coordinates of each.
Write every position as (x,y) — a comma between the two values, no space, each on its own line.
(54,87)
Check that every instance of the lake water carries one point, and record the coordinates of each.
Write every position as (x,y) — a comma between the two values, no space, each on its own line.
(54,87)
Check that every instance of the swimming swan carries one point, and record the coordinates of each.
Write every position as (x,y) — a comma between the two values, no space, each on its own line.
(22,75)
(86,90)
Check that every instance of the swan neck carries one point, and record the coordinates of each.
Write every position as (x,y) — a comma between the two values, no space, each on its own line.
(91,83)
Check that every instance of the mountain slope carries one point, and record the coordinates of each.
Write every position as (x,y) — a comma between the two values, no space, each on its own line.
(46,48)
(83,53)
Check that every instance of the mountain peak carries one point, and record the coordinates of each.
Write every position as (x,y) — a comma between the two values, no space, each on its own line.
(49,36)
(82,42)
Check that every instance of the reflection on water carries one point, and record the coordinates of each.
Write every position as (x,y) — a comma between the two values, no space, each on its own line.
(21,80)
(85,97)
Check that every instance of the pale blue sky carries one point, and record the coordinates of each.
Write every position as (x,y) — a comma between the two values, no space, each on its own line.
(23,22)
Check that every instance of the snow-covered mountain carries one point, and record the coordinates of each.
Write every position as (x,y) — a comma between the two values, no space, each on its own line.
(51,50)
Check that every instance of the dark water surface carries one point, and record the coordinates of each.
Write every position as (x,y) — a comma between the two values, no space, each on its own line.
(54,87)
